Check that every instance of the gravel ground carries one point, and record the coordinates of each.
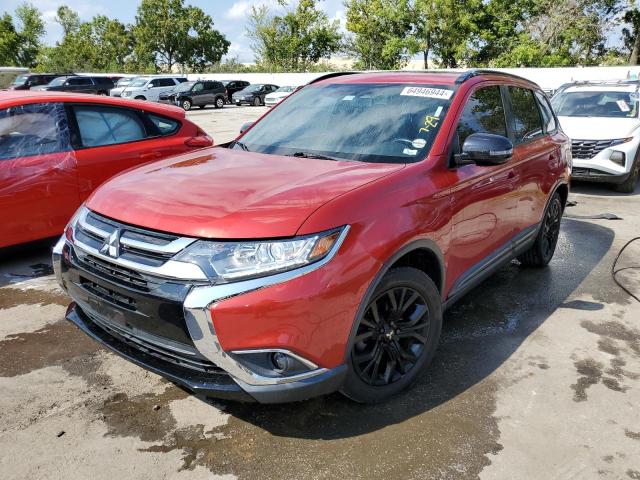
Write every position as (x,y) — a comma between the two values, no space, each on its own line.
(537,377)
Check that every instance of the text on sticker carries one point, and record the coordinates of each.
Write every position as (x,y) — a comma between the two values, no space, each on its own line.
(429,123)
(427,92)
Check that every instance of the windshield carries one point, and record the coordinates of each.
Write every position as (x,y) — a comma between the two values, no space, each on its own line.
(388,123)
(184,87)
(614,104)
(286,89)
(123,82)
(58,81)
(20,79)
(139,82)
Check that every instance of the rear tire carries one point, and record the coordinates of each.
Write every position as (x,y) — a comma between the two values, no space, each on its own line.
(629,185)
(256,102)
(541,252)
(396,337)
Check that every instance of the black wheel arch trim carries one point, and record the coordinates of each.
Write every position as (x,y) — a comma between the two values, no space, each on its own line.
(421,244)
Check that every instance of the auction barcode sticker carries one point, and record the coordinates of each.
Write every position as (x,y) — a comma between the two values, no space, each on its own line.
(427,92)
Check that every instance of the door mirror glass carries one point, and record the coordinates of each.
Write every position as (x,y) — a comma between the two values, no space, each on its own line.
(246,126)
(485,149)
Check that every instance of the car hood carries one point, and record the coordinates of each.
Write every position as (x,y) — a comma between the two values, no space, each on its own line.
(598,128)
(230,194)
(278,95)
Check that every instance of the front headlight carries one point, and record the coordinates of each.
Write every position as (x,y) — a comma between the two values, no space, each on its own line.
(232,261)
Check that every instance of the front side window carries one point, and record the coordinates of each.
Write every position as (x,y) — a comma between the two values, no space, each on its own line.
(596,103)
(386,123)
(154,83)
(31,130)
(100,126)
(167,82)
(483,113)
(526,121)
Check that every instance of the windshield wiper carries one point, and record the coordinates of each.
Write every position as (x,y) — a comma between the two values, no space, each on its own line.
(315,155)
(241,145)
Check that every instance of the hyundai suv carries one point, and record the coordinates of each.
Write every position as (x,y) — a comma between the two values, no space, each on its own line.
(318,251)
(602,119)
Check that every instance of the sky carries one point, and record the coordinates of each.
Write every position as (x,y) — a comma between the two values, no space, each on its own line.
(229,16)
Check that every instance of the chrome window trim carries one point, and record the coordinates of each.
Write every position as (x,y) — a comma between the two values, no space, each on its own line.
(170,269)
(197,313)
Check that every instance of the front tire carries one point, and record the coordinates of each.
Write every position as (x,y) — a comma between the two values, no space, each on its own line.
(396,336)
(256,102)
(541,252)
(140,97)
(219,102)
(186,105)
(629,185)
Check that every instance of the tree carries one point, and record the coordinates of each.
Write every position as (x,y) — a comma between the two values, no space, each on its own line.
(630,37)
(380,30)
(444,28)
(547,32)
(294,41)
(20,45)
(101,44)
(170,33)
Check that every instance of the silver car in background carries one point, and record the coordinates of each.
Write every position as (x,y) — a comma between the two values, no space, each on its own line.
(150,88)
(280,94)
(120,85)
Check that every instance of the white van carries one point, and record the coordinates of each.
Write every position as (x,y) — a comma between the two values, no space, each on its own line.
(150,88)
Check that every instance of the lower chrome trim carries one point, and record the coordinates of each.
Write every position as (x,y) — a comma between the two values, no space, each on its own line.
(304,361)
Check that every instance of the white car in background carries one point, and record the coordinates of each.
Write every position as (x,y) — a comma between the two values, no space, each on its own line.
(603,122)
(150,88)
(120,85)
(279,95)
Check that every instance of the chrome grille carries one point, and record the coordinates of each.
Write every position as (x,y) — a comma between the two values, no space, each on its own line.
(121,253)
(167,350)
(586,149)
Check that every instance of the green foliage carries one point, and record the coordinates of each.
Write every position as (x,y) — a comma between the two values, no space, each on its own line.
(381,29)
(19,46)
(630,37)
(102,44)
(295,41)
(168,32)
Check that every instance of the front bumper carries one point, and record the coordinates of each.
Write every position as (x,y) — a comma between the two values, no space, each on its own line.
(591,174)
(153,345)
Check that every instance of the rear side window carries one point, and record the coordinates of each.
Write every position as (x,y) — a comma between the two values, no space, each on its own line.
(548,120)
(166,82)
(100,126)
(166,126)
(79,81)
(483,113)
(527,123)
(33,129)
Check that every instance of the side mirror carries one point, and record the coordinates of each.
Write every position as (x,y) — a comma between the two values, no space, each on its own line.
(485,149)
(246,126)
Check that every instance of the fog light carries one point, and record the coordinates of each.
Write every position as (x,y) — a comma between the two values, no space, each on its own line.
(617,157)
(281,362)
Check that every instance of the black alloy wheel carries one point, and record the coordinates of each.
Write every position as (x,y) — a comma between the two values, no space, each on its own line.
(551,228)
(391,337)
(542,250)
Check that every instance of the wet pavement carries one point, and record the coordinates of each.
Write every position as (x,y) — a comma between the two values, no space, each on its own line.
(537,377)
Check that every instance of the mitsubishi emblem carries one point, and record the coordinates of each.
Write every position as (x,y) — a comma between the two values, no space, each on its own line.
(111,245)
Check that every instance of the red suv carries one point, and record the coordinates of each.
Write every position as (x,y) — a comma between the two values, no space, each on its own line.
(318,251)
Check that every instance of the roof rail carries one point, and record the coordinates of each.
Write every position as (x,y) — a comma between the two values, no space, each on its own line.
(474,72)
(331,75)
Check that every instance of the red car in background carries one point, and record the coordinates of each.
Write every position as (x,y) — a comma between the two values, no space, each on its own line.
(56,148)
